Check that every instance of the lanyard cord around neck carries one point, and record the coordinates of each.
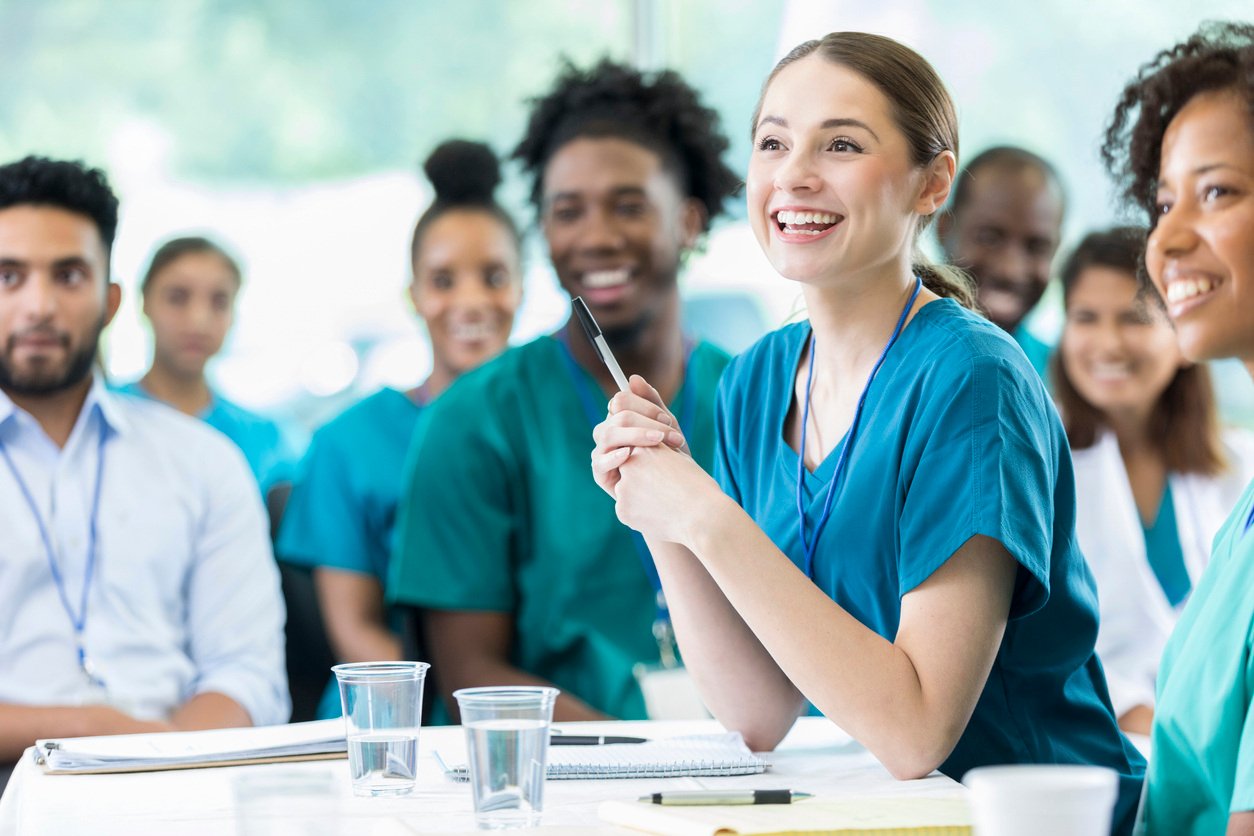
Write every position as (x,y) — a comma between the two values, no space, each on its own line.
(811,544)
(588,397)
(79,621)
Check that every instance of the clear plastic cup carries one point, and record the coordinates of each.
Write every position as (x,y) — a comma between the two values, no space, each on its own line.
(1042,800)
(382,704)
(507,740)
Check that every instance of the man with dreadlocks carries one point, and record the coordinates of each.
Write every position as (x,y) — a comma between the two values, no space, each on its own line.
(523,572)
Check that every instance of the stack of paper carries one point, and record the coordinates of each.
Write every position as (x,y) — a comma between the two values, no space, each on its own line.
(707,754)
(883,816)
(184,750)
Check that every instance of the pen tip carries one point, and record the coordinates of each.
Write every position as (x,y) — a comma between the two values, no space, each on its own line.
(803,795)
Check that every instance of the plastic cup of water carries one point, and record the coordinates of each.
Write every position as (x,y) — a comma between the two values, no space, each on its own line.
(1042,800)
(507,739)
(382,704)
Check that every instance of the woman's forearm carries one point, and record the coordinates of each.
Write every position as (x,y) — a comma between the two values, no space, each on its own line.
(738,680)
(906,701)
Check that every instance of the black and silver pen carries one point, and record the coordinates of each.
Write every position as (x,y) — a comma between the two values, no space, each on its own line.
(591,740)
(598,341)
(679,798)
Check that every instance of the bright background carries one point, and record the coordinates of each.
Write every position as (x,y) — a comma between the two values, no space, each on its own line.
(292,131)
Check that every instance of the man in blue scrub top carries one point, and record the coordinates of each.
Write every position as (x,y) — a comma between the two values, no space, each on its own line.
(1003,226)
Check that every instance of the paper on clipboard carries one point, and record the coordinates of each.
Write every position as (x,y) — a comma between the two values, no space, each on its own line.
(321,739)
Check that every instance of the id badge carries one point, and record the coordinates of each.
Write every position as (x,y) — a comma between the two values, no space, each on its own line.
(93,690)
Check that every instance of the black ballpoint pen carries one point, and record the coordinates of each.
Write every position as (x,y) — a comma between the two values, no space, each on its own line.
(591,740)
(679,798)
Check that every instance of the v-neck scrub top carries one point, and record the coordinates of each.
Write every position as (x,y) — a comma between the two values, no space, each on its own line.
(501,514)
(957,439)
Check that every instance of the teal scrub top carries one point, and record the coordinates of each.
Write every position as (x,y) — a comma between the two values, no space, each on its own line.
(500,513)
(1203,736)
(1164,553)
(272,450)
(342,510)
(957,438)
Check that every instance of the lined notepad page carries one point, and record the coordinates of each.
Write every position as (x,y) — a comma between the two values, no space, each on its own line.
(698,755)
(882,816)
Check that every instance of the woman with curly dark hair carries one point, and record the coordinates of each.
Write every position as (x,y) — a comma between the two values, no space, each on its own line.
(523,571)
(1182,144)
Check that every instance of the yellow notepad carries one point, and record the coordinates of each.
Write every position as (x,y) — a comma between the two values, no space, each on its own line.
(882,816)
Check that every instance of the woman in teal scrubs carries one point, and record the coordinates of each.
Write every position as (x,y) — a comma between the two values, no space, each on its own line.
(893,540)
(467,285)
(1182,144)
(189,299)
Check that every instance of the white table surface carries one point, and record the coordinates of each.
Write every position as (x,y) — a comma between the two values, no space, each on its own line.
(816,757)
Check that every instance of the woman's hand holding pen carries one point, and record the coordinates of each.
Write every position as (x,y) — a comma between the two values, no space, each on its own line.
(642,460)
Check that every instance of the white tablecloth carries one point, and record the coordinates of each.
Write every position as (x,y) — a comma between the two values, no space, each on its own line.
(816,757)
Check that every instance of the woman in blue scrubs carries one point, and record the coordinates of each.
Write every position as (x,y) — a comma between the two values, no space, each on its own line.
(467,285)
(893,540)
(189,299)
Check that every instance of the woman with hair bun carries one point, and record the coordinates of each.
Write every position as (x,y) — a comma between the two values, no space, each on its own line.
(466,288)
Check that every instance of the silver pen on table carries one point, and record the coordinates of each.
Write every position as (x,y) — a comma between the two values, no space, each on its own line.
(680,798)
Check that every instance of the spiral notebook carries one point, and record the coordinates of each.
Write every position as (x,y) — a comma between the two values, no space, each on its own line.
(673,757)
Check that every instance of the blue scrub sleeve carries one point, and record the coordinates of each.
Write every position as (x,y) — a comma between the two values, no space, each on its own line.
(458,516)
(324,523)
(984,463)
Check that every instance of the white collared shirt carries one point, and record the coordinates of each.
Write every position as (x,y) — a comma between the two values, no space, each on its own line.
(185,596)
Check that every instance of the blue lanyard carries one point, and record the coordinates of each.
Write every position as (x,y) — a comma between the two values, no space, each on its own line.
(1249,522)
(594,407)
(79,621)
(811,545)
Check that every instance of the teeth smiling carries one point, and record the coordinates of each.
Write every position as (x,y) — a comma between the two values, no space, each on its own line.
(790,218)
(606,278)
(471,331)
(1182,289)
(1110,370)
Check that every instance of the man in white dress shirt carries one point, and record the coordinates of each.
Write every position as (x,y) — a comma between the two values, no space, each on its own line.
(137,588)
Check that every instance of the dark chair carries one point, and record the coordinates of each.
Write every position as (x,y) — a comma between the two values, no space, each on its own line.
(414,647)
(309,656)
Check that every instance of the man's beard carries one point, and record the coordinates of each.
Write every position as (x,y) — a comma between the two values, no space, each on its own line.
(626,336)
(49,381)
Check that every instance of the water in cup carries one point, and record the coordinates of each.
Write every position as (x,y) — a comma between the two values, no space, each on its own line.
(507,760)
(383,764)
(382,704)
(507,739)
